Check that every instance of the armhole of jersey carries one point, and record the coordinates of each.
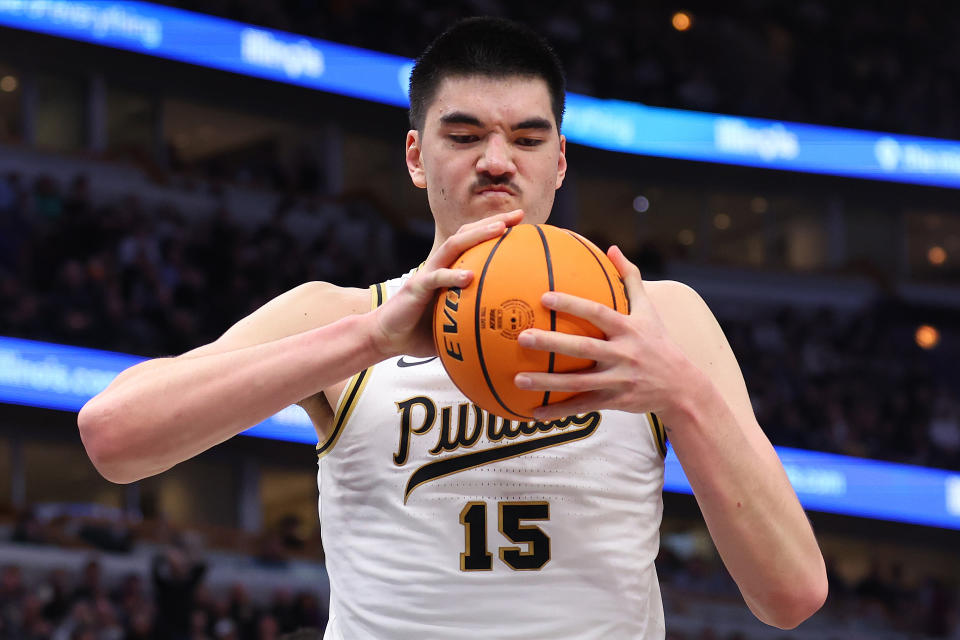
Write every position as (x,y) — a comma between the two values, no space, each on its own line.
(351,393)
(659,434)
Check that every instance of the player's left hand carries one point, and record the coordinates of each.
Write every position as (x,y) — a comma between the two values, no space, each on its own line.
(639,367)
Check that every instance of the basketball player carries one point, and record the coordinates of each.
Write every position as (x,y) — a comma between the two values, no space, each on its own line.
(441,521)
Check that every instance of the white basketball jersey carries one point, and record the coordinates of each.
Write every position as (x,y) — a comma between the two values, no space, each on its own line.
(442,521)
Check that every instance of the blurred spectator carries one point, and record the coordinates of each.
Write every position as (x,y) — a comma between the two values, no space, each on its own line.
(289,530)
(176,576)
(90,587)
(28,528)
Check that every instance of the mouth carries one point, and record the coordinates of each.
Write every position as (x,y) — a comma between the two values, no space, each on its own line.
(493,191)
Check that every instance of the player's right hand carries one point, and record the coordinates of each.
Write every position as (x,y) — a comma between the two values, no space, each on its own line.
(402,325)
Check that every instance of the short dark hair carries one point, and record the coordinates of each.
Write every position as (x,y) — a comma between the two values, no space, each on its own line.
(492,47)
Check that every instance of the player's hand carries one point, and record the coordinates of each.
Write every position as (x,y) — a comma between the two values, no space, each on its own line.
(403,324)
(639,368)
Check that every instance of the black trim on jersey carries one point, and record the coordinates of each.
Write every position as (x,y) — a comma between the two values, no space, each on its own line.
(355,387)
(659,433)
(476,328)
(553,314)
(455,464)
(613,296)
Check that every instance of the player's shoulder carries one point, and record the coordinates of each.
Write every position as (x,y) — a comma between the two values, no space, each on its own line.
(687,318)
(319,297)
(302,308)
(682,310)
(314,303)
(673,296)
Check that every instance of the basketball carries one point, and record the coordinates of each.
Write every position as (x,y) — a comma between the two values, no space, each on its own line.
(476,328)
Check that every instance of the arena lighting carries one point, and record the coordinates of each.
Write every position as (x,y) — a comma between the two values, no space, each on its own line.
(936,255)
(614,125)
(681,21)
(927,337)
(8,84)
(759,204)
(53,376)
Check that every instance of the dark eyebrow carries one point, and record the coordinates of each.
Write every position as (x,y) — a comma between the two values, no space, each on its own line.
(534,123)
(459,117)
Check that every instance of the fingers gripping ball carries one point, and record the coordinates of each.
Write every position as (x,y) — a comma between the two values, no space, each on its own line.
(476,328)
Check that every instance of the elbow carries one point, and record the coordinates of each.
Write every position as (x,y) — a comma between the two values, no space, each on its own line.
(794,603)
(101,433)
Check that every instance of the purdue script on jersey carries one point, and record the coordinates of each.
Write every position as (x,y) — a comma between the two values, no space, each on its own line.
(472,422)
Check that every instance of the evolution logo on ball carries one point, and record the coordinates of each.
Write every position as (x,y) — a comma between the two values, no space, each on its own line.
(449,308)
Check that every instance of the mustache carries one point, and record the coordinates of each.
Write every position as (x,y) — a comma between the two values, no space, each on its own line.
(495,181)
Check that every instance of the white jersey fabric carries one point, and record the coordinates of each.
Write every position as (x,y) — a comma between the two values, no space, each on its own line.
(441,521)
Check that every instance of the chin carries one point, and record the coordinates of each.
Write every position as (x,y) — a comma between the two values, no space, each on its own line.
(492,205)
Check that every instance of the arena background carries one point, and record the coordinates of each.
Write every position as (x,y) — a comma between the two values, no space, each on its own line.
(155,190)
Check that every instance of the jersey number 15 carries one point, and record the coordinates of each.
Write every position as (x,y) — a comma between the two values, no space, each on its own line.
(474,520)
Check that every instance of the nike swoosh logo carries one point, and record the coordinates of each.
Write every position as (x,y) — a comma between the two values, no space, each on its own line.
(406,363)
(455,464)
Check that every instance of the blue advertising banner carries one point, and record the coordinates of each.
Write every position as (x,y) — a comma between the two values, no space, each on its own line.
(54,376)
(217,43)
(859,487)
(627,127)
(40,374)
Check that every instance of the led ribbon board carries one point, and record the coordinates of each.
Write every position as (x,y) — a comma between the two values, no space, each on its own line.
(627,127)
(859,487)
(53,376)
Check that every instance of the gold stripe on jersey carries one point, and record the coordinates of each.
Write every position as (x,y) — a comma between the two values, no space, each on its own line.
(659,433)
(354,388)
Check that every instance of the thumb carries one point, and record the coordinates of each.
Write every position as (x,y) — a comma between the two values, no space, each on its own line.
(630,273)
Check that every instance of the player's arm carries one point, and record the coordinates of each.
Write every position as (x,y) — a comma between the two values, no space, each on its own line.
(751,510)
(671,357)
(161,412)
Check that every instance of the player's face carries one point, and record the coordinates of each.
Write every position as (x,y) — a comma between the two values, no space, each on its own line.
(489,145)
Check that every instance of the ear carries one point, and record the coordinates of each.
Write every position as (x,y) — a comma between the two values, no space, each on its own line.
(415,159)
(562,162)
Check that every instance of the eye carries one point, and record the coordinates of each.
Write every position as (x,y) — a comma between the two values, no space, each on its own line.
(464,139)
(529,142)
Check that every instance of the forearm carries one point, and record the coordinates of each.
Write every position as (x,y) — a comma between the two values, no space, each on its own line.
(162,412)
(750,508)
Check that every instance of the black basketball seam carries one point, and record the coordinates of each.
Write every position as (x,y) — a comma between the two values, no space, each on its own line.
(553,314)
(613,295)
(476,327)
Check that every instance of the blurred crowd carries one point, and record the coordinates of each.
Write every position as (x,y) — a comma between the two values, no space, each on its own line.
(882,601)
(174,601)
(174,604)
(96,527)
(171,599)
(891,67)
(855,384)
(159,282)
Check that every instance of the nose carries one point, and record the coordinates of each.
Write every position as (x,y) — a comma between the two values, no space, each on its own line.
(496,158)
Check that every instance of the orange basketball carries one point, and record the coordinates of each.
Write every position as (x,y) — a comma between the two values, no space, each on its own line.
(475,328)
